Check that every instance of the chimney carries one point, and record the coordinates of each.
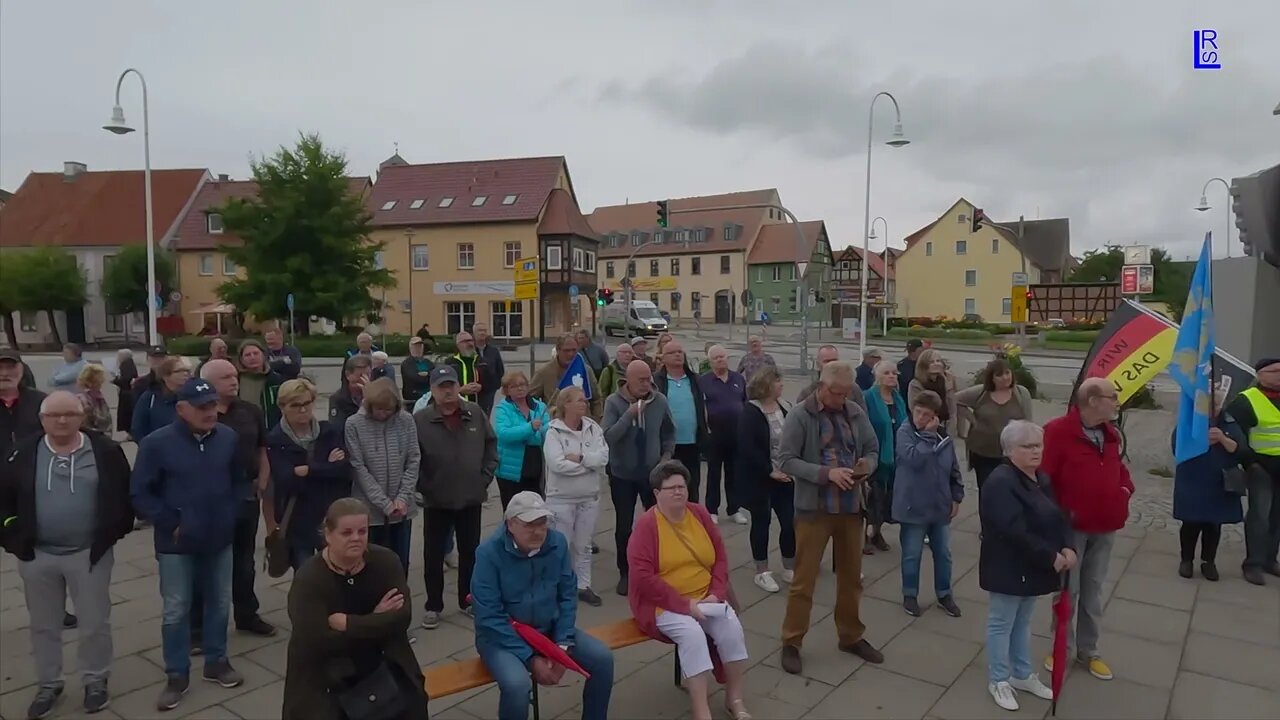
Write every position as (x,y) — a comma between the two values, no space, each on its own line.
(223,177)
(72,170)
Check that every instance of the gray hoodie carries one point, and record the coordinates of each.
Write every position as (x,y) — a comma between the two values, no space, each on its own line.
(385,457)
(637,443)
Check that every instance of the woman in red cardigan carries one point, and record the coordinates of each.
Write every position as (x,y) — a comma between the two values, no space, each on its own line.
(679,590)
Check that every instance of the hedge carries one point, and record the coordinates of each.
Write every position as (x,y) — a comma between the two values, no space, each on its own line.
(315,346)
(940,333)
(1074,336)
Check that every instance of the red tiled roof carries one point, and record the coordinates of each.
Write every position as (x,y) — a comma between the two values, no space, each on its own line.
(95,209)
(876,262)
(915,236)
(562,217)
(529,181)
(643,217)
(193,232)
(777,243)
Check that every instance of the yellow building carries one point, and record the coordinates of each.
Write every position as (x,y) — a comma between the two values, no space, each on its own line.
(948,269)
(697,263)
(453,234)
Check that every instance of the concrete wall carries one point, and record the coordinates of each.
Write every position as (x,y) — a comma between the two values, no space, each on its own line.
(1246,296)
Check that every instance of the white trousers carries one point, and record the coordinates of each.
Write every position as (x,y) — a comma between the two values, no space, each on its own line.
(576,520)
(690,637)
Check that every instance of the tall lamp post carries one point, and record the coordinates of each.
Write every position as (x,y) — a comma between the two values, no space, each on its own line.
(118,126)
(1204,205)
(897,140)
(884,281)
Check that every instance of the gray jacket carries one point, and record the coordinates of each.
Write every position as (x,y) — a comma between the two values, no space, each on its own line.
(385,457)
(854,397)
(457,467)
(637,444)
(927,478)
(801,449)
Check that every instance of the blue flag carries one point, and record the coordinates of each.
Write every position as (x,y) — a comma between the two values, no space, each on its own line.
(576,374)
(1192,365)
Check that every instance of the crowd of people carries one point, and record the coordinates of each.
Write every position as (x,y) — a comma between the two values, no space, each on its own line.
(237,443)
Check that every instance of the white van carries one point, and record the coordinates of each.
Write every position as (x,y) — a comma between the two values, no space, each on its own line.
(645,319)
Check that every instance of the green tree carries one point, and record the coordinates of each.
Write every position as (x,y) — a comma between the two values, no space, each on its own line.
(305,234)
(43,278)
(124,280)
(6,313)
(1099,266)
(1172,279)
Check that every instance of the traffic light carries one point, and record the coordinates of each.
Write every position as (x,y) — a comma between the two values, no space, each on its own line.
(1255,200)
(664,212)
(604,296)
(976,221)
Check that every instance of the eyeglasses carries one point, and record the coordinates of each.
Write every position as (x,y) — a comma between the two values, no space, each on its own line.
(301,405)
(675,488)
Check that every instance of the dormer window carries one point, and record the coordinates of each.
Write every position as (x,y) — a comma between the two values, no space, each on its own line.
(445,202)
(213,222)
(510,199)
(479,200)
(389,205)
(416,204)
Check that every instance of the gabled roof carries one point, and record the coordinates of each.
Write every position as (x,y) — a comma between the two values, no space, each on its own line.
(4,196)
(876,262)
(514,190)
(1047,243)
(193,231)
(777,243)
(95,209)
(643,217)
(562,217)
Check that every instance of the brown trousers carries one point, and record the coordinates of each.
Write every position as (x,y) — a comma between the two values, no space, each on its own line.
(812,534)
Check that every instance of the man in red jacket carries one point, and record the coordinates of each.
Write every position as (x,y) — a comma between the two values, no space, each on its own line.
(1092,485)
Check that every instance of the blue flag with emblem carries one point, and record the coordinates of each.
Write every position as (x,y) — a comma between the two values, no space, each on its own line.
(576,374)
(1192,366)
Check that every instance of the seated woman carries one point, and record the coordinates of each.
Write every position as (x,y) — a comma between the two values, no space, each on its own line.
(679,589)
(350,610)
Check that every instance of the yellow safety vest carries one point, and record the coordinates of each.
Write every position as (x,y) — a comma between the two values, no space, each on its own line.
(1264,438)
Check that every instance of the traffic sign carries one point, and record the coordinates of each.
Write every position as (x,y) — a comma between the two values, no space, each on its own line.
(526,291)
(1021,278)
(288,302)
(573,291)
(1018,304)
(747,298)
(526,270)
(801,267)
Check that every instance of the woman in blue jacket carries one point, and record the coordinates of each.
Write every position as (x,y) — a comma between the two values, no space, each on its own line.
(886,410)
(158,406)
(1200,499)
(520,423)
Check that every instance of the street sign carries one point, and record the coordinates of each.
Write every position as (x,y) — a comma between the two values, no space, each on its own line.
(813,298)
(1137,279)
(1021,278)
(1018,304)
(526,291)
(175,296)
(288,302)
(1137,255)
(747,298)
(526,270)
(801,267)
(573,291)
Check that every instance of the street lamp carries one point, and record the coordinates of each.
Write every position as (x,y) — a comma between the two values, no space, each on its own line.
(1204,206)
(118,126)
(897,140)
(884,280)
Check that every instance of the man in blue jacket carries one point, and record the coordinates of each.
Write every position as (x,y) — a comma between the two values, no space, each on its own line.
(524,573)
(188,483)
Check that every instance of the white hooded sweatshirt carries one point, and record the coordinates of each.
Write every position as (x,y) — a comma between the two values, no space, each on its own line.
(575,481)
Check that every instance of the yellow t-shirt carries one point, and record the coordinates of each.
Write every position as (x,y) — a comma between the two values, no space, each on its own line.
(686,572)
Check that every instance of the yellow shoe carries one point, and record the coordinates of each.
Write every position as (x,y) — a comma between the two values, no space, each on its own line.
(1048,664)
(1099,669)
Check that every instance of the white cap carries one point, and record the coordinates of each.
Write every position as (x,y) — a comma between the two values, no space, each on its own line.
(527,506)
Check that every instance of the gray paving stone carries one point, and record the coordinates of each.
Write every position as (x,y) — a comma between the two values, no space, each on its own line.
(1087,698)
(1256,624)
(1141,661)
(933,658)
(876,693)
(1145,621)
(1234,660)
(1176,593)
(1200,697)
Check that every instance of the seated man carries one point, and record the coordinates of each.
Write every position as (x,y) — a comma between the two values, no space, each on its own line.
(524,572)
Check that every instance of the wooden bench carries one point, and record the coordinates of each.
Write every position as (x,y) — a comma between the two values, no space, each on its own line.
(470,674)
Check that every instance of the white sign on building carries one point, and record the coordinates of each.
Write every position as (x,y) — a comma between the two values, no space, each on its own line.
(505,288)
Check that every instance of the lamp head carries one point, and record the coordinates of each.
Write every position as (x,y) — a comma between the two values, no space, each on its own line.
(1204,204)
(872,236)
(898,139)
(118,124)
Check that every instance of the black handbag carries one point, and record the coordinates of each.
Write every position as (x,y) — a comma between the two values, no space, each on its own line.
(376,696)
(1234,481)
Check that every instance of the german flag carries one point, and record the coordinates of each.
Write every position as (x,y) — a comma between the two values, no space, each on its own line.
(1133,347)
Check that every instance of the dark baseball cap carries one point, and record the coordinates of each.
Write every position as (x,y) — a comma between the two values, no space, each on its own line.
(914,344)
(10,355)
(157,351)
(198,392)
(443,374)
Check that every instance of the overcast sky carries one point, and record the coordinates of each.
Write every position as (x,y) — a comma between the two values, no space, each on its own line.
(1089,109)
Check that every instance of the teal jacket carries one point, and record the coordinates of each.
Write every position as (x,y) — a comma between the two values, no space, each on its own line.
(540,591)
(515,433)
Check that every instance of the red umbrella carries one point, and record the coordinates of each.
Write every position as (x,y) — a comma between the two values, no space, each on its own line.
(544,646)
(1062,614)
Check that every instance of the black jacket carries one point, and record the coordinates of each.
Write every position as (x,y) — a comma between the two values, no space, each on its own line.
(20,421)
(413,385)
(662,382)
(906,373)
(342,406)
(490,375)
(1023,530)
(753,461)
(18,497)
(325,481)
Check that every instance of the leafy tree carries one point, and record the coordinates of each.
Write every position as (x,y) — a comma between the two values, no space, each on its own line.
(1172,279)
(305,234)
(6,313)
(43,278)
(124,281)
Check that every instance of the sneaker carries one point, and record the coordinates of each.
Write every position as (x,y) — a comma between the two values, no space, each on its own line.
(1032,685)
(96,697)
(911,606)
(257,626)
(172,693)
(622,581)
(880,543)
(430,620)
(1002,693)
(1209,571)
(451,560)
(588,596)
(42,705)
(765,582)
(740,518)
(949,606)
(1048,664)
(788,576)
(412,639)
(715,519)
(468,611)
(1099,669)
(1184,569)
(223,674)
(69,621)
(790,659)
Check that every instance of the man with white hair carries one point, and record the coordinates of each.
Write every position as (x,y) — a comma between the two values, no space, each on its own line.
(613,374)
(827,354)
(755,358)
(726,396)
(379,367)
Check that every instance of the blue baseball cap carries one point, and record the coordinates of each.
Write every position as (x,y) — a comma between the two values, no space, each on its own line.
(443,374)
(198,392)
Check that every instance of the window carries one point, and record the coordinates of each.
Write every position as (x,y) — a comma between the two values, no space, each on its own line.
(510,200)
(695,265)
(724,264)
(970,306)
(228,266)
(962,247)
(635,239)
(928,249)
(653,268)
(205,265)
(389,205)
(792,273)
(115,323)
(962,218)
(478,200)
(729,233)
(777,273)
(445,202)
(844,264)
(970,278)
(653,298)
(214,223)
(658,236)
(695,301)
(699,235)
(379,260)
(27,320)
(579,259)
(777,304)
(553,257)
(608,269)
(507,318)
(675,266)
(1006,306)
(459,316)
(418,255)
(510,254)
(759,274)
(466,256)
(416,204)
(631,268)
(995,246)
(675,301)
(591,261)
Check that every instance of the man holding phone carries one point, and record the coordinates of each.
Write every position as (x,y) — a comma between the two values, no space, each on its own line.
(830,448)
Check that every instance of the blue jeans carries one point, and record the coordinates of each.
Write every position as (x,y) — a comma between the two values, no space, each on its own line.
(395,537)
(515,683)
(911,537)
(179,576)
(1009,637)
